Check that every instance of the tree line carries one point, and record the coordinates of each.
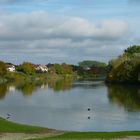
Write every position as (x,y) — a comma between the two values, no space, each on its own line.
(125,68)
(85,69)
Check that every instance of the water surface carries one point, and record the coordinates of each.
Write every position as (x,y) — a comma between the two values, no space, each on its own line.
(77,106)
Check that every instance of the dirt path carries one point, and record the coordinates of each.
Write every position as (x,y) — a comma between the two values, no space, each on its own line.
(23,136)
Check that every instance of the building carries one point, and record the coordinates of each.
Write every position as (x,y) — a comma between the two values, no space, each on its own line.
(41,68)
(10,67)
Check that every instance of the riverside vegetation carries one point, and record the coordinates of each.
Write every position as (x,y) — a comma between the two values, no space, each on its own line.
(124,69)
(28,72)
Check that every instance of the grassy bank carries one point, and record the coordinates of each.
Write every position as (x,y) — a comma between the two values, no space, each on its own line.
(21,77)
(92,135)
(10,127)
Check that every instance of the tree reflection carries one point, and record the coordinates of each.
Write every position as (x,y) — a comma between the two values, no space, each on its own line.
(126,96)
(3,91)
(60,85)
(29,88)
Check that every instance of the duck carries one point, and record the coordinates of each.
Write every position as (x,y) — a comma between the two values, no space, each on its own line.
(89,109)
(8,114)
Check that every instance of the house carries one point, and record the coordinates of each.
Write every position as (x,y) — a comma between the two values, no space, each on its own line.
(86,68)
(10,67)
(41,68)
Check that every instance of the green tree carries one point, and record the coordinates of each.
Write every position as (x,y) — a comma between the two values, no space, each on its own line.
(27,68)
(66,69)
(58,69)
(132,50)
(126,68)
(3,69)
(90,63)
(89,69)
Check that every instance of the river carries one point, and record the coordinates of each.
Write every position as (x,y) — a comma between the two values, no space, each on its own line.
(77,106)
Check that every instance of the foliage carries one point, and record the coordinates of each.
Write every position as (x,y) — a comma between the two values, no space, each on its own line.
(67,69)
(61,69)
(3,69)
(132,50)
(27,68)
(90,63)
(58,69)
(126,68)
(89,69)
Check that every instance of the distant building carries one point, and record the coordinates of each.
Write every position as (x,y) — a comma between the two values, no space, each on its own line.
(10,67)
(41,68)
(87,68)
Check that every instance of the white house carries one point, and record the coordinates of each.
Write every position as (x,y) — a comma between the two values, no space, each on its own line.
(41,68)
(11,68)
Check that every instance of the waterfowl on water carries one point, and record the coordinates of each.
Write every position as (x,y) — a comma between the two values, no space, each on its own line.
(89,109)
(8,114)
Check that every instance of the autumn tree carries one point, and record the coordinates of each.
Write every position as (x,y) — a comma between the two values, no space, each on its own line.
(125,68)
(27,68)
(3,69)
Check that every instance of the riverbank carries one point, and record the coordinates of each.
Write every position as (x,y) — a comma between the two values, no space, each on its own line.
(14,131)
(95,135)
(11,127)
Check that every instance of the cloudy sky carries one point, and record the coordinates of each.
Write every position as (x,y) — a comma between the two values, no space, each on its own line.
(43,31)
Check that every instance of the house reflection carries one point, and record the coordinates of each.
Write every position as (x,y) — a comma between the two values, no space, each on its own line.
(11,88)
(28,88)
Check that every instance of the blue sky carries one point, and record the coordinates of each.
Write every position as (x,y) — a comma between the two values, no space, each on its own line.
(43,31)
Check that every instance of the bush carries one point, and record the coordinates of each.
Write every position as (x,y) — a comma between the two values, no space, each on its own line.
(3,69)
(27,68)
(126,68)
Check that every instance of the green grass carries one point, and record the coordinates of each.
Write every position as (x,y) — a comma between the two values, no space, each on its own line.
(10,127)
(92,135)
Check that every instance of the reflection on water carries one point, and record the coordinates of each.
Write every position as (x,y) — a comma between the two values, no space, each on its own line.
(85,106)
(28,88)
(60,85)
(125,96)
(88,84)
(3,90)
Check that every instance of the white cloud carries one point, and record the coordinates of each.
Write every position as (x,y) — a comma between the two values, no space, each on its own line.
(38,33)
(19,1)
(38,25)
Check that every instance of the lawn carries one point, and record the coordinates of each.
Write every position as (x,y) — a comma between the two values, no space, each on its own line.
(10,127)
